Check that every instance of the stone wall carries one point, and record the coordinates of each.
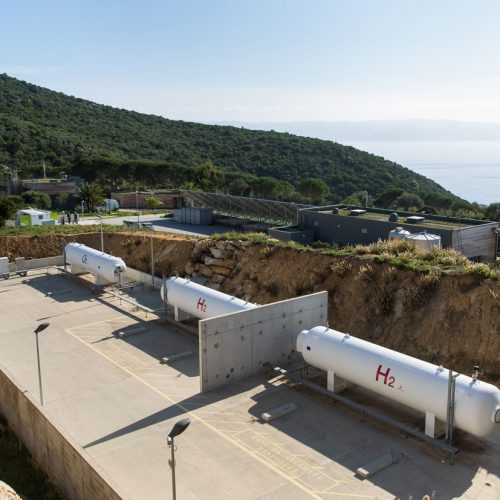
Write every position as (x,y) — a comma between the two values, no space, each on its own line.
(216,260)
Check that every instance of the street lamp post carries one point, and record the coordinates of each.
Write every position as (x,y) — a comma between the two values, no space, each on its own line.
(152,261)
(177,429)
(82,207)
(39,329)
(137,204)
(102,237)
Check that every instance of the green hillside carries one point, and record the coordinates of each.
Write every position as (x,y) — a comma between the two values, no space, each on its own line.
(39,125)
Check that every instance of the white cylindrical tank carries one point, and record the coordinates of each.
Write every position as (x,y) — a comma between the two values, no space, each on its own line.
(106,268)
(413,382)
(398,234)
(425,241)
(200,301)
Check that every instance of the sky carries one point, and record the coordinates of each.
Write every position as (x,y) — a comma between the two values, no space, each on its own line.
(263,60)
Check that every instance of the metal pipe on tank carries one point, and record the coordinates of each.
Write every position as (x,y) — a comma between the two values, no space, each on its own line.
(413,382)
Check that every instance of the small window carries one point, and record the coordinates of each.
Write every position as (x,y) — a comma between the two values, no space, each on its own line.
(40,217)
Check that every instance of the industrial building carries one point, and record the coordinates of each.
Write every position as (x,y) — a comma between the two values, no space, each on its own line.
(354,225)
(69,185)
(137,199)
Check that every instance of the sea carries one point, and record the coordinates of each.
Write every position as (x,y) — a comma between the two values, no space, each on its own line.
(469,169)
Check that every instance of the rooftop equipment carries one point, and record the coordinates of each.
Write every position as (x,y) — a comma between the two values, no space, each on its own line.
(410,381)
(394,217)
(357,211)
(415,219)
(398,234)
(335,210)
(198,300)
(106,268)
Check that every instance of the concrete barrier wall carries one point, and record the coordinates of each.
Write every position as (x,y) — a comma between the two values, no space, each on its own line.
(136,275)
(22,264)
(53,450)
(234,346)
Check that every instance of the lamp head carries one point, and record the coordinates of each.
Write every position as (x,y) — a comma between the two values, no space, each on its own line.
(41,327)
(179,428)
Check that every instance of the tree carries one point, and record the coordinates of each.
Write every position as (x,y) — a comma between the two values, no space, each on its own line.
(408,201)
(210,177)
(460,207)
(492,212)
(238,187)
(9,205)
(314,189)
(265,187)
(37,200)
(359,198)
(386,199)
(438,201)
(153,202)
(91,194)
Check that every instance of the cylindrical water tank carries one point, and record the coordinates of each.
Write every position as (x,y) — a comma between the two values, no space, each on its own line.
(425,241)
(413,382)
(200,301)
(106,268)
(398,234)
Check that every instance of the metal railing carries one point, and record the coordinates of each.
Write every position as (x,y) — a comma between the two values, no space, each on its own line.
(254,209)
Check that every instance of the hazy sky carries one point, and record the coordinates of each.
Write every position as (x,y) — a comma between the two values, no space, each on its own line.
(263,60)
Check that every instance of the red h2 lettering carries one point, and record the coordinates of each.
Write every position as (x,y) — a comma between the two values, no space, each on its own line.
(385,375)
(202,305)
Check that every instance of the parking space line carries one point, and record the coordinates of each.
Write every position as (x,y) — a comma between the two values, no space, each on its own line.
(298,483)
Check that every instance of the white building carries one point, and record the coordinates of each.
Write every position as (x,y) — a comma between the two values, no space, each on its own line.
(33,217)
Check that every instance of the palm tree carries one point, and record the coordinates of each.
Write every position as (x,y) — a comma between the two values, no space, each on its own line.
(91,194)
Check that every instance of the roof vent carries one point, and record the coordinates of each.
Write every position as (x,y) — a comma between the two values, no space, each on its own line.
(415,219)
(357,211)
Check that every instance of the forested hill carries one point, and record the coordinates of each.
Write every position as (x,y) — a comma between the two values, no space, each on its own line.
(39,125)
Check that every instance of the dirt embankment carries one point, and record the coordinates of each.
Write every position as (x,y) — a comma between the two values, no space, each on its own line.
(445,319)
(171,251)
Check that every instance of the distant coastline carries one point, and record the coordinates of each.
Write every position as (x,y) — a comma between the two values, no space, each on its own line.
(470,169)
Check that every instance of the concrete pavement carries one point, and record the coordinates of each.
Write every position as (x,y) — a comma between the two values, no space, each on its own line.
(161,224)
(119,402)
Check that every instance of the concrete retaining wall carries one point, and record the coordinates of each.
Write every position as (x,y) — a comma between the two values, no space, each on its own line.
(136,275)
(234,346)
(52,449)
(21,264)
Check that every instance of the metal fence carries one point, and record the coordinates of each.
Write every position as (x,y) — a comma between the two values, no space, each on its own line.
(254,209)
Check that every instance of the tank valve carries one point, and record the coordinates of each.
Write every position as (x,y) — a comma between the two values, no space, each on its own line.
(475,373)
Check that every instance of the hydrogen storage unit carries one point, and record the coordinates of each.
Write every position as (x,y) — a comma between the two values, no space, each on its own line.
(413,382)
(106,268)
(199,301)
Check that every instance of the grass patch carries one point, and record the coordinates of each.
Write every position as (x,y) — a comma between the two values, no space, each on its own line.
(400,254)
